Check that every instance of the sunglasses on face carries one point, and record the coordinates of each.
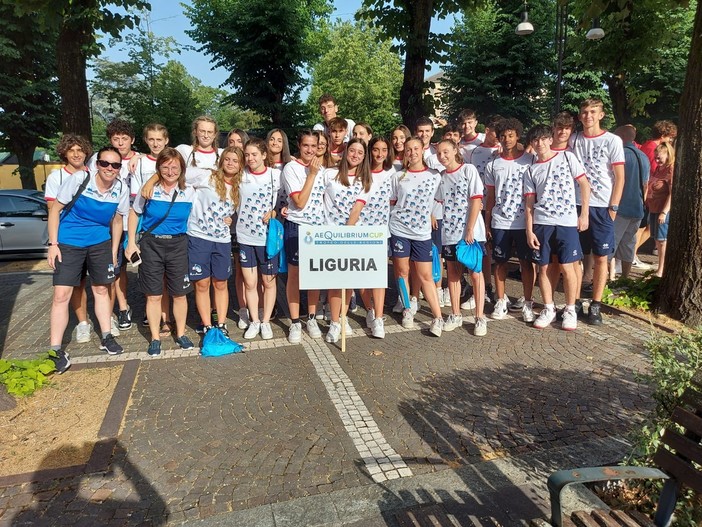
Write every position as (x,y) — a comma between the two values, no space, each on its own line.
(105,164)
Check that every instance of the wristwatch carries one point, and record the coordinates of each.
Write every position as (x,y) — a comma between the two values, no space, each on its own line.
(49,244)
(614,208)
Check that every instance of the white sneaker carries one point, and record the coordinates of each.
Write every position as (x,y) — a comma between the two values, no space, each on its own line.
(436,326)
(244,320)
(266,331)
(378,329)
(114,327)
(327,312)
(253,330)
(517,305)
(469,304)
(480,329)
(642,266)
(313,328)
(440,294)
(421,294)
(414,305)
(370,318)
(83,332)
(319,313)
(528,311)
(334,332)
(399,307)
(545,318)
(453,322)
(618,267)
(500,311)
(295,333)
(447,297)
(407,319)
(570,320)
(349,329)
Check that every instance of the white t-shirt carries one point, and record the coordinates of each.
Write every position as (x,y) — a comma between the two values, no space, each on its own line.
(414,193)
(467,146)
(552,182)
(294,177)
(377,209)
(206,220)
(506,176)
(56,179)
(146,167)
(599,155)
(340,199)
(257,193)
(481,155)
(458,189)
(205,161)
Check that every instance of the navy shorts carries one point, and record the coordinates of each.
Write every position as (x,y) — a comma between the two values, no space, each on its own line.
(164,257)
(504,239)
(436,234)
(559,240)
(97,258)
(255,255)
(209,259)
(599,237)
(415,250)
(659,231)
(449,252)
(291,242)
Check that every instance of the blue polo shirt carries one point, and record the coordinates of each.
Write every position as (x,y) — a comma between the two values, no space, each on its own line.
(176,221)
(88,222)
(636,172)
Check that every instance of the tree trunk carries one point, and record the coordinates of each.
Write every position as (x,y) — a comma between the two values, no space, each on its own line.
(417,43)
(73,86)
(680,292)
(620,100)
(25,160)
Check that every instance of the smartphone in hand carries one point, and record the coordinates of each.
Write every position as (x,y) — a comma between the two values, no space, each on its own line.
(135,260)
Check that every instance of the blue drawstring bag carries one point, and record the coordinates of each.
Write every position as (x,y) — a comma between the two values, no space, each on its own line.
(435,263)
(470,255)
(282,263)
(274,239)
(216,344)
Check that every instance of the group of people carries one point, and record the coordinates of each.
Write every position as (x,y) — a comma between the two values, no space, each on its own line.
(183,214)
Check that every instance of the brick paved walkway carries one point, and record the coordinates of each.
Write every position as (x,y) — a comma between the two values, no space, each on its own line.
(280,423)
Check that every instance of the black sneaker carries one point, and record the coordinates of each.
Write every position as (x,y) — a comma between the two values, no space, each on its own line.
(154,348)
(594,317)
(578,311)
(145,322)
(61,360)
(201,329)
(124,319)
(109,344)
(185,343)
(223,329)
(353,305)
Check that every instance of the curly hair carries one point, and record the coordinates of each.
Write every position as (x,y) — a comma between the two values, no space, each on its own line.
(119,127)
(68,141)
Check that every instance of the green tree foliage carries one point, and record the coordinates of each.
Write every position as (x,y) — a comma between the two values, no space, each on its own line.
(77,22)
(493,70)
(28,89)
(408,22)
(263,44)
(362,72)
(643,55)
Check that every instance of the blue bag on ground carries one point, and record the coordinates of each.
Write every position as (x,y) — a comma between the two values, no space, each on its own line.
(274,239)
(435,263)
(216,344)
(470,255)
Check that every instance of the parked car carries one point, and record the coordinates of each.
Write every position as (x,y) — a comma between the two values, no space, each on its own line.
(23,223)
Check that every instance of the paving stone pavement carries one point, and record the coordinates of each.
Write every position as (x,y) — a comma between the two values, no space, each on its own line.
(281,424)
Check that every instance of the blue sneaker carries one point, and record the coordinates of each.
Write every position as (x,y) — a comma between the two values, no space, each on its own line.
(154,348)
(110,345)
(185,343)
(61,360)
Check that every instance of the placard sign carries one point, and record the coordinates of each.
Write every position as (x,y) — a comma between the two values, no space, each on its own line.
(343,257)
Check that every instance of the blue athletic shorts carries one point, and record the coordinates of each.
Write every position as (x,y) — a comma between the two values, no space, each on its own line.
(559,240)
(291,242)
(436,234)
(504,239)
(600,232)
(415,250)
(449,252)
(209,259)
(255,255)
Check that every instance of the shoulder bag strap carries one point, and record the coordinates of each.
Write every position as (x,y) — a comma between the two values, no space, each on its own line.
(75,197)
(159,222)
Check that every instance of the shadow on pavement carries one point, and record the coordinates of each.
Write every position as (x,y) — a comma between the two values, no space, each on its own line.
(520,412)
(119,496)
(9,291)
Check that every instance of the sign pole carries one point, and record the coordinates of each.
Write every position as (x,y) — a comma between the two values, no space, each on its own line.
(343,320)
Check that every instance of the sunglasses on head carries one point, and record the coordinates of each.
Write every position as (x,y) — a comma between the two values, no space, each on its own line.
(105,164)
